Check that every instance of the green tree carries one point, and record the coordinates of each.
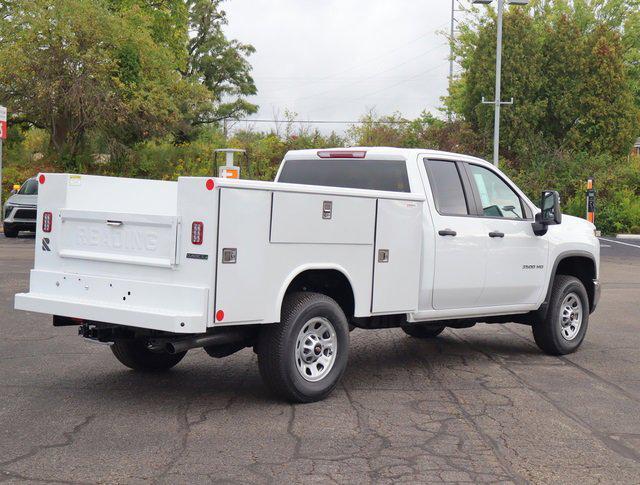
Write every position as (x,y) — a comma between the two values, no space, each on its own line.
(117,72)
(566,64)
(218,63)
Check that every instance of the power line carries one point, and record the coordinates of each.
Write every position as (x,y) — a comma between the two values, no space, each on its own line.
(338,122)
(373,76)
(359,98)
(367,62)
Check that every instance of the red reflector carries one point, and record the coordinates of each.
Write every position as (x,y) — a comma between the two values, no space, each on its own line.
(41,179)
(219,315)
(197,230)
(210,184)
(342,153)
(46,221)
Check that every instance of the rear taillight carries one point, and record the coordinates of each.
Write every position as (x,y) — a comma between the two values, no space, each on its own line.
(197,229)
(342,153)
(46,222)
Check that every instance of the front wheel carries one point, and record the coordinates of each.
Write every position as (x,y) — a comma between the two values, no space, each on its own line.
(10,231)
(303,357)
(562,329)
(135,355)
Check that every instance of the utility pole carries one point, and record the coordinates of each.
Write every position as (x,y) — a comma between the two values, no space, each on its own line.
(497,102)
(451,41)
(496,118)
(453,13)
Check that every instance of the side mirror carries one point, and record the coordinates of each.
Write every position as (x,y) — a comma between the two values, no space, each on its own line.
(549,214)
(15,189)
(550,206)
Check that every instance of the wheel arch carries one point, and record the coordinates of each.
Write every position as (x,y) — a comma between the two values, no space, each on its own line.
(580,264)
(330,280)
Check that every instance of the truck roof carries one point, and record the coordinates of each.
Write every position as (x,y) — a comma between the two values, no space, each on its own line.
(388,153)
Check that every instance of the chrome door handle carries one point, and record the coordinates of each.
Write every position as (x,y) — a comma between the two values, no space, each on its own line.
(114,223)
(496,234)
(447,232)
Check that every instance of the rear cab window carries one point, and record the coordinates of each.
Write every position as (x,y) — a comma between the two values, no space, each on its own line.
(388,175)
(446,186)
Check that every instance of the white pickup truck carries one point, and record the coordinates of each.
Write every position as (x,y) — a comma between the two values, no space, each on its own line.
(344,238)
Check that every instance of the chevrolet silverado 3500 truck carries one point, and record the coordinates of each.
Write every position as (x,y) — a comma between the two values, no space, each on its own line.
(344,238)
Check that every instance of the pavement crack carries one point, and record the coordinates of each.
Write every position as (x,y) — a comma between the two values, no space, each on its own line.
(610,443)
(489,442)
(584,370)
(69,438)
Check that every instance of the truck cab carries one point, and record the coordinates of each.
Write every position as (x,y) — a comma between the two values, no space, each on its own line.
(365,237)
(480,251)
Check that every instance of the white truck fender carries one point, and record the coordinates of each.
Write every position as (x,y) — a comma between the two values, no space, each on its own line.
(308,267)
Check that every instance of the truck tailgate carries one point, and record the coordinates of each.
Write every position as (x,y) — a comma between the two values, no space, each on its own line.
(112,252)
(144,239)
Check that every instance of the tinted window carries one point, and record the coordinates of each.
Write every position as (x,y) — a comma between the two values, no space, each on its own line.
(498,199)
(30,187)
(446,186)
(356,174)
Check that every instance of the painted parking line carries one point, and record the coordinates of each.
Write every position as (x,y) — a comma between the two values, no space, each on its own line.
(620,242)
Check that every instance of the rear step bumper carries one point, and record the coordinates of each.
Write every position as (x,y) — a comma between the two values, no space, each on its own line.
(123,302)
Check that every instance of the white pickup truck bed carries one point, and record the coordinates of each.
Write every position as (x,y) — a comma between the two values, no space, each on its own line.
(121,251)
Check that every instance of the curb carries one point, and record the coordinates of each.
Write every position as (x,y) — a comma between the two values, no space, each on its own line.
(635,237)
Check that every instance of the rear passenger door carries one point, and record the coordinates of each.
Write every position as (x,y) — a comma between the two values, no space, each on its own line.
(460,238)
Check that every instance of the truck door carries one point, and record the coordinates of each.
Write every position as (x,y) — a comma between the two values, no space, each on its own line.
(460,240)
(516,257)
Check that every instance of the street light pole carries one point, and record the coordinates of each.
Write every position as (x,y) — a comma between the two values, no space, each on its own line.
(497,99)
(453,13)
(497,102)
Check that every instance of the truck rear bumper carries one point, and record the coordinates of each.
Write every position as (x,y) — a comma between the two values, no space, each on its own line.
(133,303)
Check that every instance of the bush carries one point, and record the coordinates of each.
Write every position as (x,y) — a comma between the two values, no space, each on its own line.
(617,183)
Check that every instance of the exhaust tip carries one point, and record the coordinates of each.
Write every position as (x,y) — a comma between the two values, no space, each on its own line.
(170,348)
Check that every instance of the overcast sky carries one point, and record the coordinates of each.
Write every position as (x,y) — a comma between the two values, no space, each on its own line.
(336,59)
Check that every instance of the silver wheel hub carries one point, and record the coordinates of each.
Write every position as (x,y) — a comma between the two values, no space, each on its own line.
(570,316)
(316,348)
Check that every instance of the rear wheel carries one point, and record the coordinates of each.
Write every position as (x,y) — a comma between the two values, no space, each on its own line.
(423,330)
(135,355)
(303,357)
(562,329)
(10,231)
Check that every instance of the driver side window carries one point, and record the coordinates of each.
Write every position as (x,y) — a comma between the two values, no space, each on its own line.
(498,199)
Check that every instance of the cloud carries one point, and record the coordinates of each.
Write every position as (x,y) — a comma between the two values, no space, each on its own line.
(336,59)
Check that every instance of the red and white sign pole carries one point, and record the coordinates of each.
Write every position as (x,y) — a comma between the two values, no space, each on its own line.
(3,136)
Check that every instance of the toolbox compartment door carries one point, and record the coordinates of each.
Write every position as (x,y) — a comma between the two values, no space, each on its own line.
(139,239)
(303,218)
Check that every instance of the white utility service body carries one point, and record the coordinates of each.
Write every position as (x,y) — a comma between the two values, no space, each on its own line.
(140,268)
(122,251)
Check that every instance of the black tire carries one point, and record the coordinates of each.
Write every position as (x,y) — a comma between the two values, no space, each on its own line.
(135,355)
(418,330)
(10,231)
(278,357)
(548,330)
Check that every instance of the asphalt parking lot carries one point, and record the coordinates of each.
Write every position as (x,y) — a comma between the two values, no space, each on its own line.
(475,405)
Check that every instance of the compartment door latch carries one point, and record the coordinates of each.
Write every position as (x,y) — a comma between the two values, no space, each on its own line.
(327,209)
